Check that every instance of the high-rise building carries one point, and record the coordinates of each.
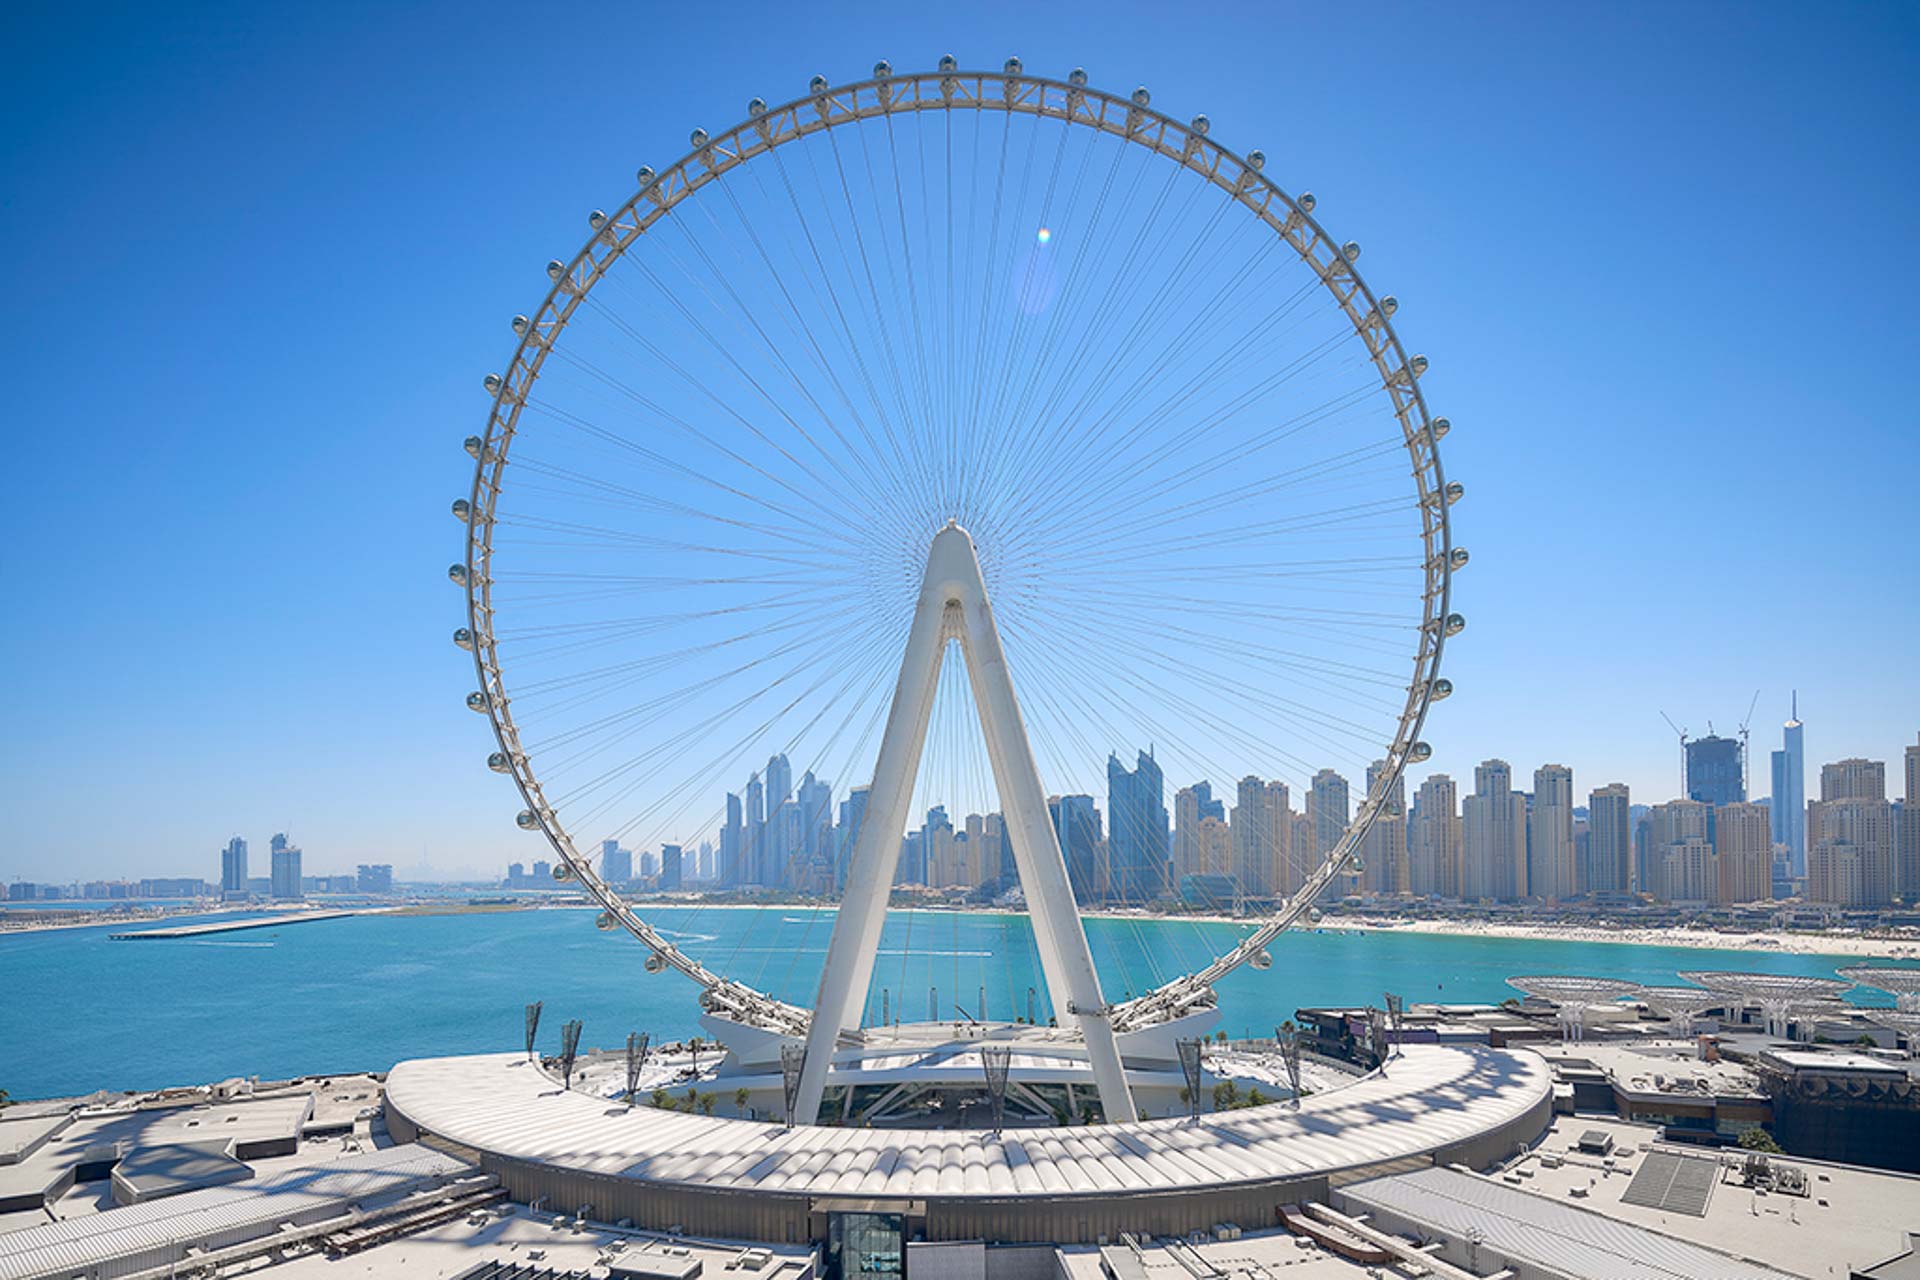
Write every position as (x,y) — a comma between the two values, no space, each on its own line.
(1609,864)
(1330,806)
(1215,864)
(1262,831)
(1192,806)
(815,800)
(1434,838)
(733,844)
(371,878)
(1137,839)
(1714,771)
(1790,792)
(1850,836)
(1680,852)
(286,869)
(1743,848)
(542,873)
(233,869)
(1383,850)
(672,874)
(846,834)
(1494,822)
(616,864)
(1076,823)
(753,854)
(1907,870)
(1551,872)
(516,874)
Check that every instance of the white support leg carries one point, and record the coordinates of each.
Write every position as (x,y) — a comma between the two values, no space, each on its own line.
(953,603)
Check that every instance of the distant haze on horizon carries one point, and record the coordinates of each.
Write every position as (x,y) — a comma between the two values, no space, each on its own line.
(261,259)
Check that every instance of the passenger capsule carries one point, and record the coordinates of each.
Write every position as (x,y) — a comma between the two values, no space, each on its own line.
(1356,864)
(882,69)
(949,64)
(1306,202)
(697,139)
(527,820)
(457,573)
(1256,160)
(556,269)
(656,963)
(473,445)
(1077,77)
(1141,97)
(1200,125)
(1420,752)
(1440,689)
(499,762)
(1455,491)
(604,921)
(597,219)
(463,511)
(1314,916)
(521,324)
(463,639)
(1458,558)
(1456,623)
(562,871)
(476,701)
(756,108)
(644,176)
(1013,66)
(1350,250)
(493,382)
(1389,305)
(1417,365)
(1261,960)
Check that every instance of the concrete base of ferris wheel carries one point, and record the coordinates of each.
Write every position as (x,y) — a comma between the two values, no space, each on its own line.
(715,1175)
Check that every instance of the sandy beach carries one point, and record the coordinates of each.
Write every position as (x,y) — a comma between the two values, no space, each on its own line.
(1806,944)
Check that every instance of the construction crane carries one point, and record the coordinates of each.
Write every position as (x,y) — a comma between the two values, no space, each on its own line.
(1746,784)
(1683,750)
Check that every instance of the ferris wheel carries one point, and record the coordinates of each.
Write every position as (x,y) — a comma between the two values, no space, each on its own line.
(1188,447)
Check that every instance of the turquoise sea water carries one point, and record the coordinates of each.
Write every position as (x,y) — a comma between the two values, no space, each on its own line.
(79,1012)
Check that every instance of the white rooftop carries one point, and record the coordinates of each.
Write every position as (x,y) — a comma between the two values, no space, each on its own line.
(1432,1097)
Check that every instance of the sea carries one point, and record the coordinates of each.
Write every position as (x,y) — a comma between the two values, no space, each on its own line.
(80,1011)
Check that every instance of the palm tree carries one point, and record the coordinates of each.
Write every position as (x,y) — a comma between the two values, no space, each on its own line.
(693,1047)
(662,1099)
(706,1103)
(740,1097)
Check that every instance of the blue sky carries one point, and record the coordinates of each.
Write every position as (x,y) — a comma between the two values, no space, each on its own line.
(259,256)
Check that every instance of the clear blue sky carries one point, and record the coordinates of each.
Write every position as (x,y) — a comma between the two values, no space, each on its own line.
(258,257)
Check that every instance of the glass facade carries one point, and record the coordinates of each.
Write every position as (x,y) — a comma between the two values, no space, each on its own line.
(866,1246)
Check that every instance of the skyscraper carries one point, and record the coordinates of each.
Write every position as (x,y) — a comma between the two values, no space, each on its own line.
(1330,807)
(1743,848)
(1680,852)
(1494,821)
(1192,806)
(753,855)
(1609,866)
(847,834)
(1850,836)
(1076,822)
(671,873)
(1907,872)
(733,844)
(286,869)
(233,869)
(815,846)
(1551,873)
(1383,851)
(1790,793)
(1714,771)
(1137,841)
(616,864)
(1262,831)
(1434,838)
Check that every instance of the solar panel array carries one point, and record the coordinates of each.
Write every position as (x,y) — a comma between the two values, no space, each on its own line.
(1673,1183)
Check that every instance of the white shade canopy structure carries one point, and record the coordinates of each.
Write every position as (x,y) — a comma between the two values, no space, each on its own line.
(1681,1004)
(1902,984)
(1779,995)
(1572,995)
(1896,1020)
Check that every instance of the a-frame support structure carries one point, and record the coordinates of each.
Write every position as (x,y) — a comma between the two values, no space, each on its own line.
(953,606)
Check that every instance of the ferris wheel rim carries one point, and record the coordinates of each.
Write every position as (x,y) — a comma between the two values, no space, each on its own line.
(878,97)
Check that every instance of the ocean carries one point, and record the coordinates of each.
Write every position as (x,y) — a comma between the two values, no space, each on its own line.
(81,1012)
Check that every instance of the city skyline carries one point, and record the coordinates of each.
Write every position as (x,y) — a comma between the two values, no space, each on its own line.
(343,720)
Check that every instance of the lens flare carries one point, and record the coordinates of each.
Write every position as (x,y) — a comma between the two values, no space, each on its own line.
(1043,235)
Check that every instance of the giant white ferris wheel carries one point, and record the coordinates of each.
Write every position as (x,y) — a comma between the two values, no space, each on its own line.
(960,361)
